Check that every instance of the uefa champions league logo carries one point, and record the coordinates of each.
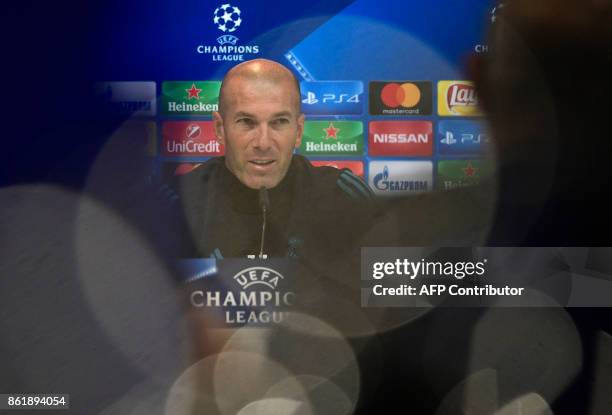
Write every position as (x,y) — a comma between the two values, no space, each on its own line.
(227,18)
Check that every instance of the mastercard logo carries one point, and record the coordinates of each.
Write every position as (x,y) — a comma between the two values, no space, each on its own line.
(405,95)
(400,97)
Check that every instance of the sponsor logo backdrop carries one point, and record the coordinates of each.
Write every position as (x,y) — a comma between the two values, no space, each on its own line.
(383,92)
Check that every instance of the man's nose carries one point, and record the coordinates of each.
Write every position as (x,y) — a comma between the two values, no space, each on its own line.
(263,140)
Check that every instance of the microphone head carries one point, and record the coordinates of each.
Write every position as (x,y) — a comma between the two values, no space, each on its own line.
(264,199)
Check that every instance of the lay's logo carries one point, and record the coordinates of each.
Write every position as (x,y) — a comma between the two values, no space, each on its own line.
(457,98)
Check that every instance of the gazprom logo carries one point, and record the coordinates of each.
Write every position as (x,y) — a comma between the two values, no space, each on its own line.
(227,40)
(392,177)
(381,179)
(132,98)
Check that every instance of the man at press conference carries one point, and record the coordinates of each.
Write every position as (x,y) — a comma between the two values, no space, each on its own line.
(261,200)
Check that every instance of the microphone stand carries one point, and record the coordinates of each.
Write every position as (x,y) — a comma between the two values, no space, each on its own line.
(264,203)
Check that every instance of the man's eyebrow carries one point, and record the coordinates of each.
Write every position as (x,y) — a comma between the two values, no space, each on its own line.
(240,114)
(244,114)
(282,114)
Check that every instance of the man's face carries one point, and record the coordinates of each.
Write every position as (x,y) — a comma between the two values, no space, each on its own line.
(260,128)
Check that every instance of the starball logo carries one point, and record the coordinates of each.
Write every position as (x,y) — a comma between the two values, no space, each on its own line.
(457,98)
(227,18)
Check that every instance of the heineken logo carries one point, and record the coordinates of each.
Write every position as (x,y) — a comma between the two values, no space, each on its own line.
(193,92)
(331,132)
(453,174)
(332,138)
(469,170)
(190,97)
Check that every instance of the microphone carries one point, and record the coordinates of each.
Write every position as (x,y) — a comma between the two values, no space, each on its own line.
(264,199)
(264,203)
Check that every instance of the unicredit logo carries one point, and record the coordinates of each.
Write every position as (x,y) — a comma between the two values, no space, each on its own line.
(401,138)
(193,131)
(189,138)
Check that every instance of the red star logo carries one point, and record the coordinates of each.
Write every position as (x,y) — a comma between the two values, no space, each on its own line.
(469,171)
(193,92)
(331,132)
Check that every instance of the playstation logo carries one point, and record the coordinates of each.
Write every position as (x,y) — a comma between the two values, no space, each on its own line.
(310,99)
(448,139)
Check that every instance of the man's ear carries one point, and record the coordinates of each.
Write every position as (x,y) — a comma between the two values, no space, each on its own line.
(218,123)
(300,130)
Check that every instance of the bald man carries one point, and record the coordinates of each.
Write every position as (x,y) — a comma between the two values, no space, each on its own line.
(314,212)
(259,122)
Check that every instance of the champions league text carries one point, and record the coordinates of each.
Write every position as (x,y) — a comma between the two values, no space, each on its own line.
(254,296)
